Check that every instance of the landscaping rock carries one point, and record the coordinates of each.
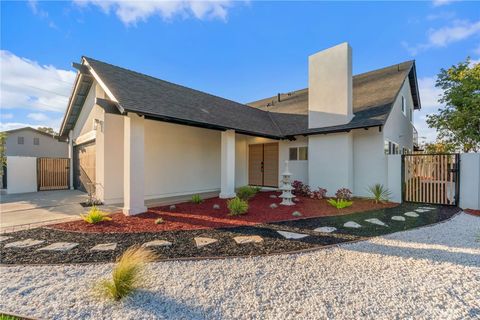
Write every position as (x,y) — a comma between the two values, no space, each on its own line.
(352,224)
(273,206)
(427,208)
(398,218)
(104,247)
(296,214)
(3,238)
(59,246)
(202,241)
(248,239)
(325,229)
(173,207)
(216,206)
(376,221)
(411,214)
(157,243)
(292,235)
(273,196)
(24,243)
(422,210)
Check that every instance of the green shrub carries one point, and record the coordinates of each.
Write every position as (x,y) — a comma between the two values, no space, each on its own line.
(247,192)
(95,215)
(127,275)
(159,221)
(379,193)
(339,203)
(8,317)
(197,199)
(237,206)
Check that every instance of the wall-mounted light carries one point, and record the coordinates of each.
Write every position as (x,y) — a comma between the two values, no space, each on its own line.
(98,124)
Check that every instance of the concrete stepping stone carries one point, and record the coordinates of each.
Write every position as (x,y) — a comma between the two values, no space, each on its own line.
(376,221)
(157,243)
(411,214)
(422,210)
(3,238)
(398,218)
(104,247)
(59,246)
(202,242)
(426,208)
(248,239)
(24,243)
(352,224)
(325,229)
(292,235)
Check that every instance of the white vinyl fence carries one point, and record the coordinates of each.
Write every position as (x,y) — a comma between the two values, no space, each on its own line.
(21,174)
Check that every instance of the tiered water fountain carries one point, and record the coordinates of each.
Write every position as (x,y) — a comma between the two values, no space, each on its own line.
(286,187)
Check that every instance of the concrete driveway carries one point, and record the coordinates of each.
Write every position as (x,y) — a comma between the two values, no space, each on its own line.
(21,211)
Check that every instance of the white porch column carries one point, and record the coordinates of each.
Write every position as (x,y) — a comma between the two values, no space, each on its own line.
(70,156)
(133,165)
(228,165)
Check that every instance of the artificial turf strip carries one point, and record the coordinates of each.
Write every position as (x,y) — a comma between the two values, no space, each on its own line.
(183,241)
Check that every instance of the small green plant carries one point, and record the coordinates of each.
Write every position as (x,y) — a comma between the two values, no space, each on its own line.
(8,317)
(95,215)
(379,193)
(197,199)
(159,221)
(339,203)
(247,192)
(127,275)
(237,206)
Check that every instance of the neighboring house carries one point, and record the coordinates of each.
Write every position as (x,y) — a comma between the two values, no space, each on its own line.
(30,142)
(138,137)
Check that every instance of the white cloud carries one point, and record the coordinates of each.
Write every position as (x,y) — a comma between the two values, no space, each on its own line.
(441,37)
(36,10)
(37,116)
(5,126)
(26,84)
(438,3)
(6,116)
(131,12)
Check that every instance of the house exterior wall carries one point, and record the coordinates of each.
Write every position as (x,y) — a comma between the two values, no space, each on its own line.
(48,146)
(399,128)
(369,160)
(298,168)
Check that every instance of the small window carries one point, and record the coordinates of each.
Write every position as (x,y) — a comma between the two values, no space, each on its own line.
(386,146)
(36,141)
(403,104)
(20,140)
(410,112)
(303,153)
(293,154)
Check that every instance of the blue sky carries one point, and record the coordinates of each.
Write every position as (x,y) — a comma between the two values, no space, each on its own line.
(238,50)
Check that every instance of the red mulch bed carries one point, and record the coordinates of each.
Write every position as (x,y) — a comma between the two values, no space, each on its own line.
(473,212)
(190,216)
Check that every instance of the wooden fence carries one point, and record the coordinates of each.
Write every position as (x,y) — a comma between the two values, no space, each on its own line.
(431,178)
(53,173)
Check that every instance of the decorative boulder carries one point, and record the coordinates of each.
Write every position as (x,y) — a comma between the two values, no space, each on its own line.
(273,206)
(296,214)
(216,206)
(173,207)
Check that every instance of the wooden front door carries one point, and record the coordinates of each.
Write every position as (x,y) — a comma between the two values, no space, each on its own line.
(84,167)
(263,164)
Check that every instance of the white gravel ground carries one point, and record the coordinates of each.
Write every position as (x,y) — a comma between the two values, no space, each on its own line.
(428,273)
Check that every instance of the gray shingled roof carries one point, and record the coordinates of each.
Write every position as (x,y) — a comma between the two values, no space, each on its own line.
(373,96)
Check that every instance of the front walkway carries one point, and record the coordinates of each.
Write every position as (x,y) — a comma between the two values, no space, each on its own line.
(26,210)
(427,273)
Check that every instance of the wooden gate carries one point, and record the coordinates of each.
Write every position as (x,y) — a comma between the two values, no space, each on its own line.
(53,173)
(431,178)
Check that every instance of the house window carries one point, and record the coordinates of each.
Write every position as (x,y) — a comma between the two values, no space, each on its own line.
(410,112)
(293,154)
(20,140)
(391,147)
(404,105)
(36,141)
(303,153)
(300,153)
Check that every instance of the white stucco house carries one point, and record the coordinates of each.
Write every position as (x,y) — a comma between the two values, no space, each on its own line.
(140,138)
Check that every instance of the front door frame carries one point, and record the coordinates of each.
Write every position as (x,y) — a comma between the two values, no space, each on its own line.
(263,164)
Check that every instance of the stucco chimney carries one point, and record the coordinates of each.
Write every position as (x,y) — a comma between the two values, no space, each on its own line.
(330,87)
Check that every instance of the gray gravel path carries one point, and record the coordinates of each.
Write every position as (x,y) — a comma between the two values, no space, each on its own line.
(428,273)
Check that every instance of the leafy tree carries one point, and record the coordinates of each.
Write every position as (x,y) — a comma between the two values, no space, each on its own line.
(47,130)
(458,122)
(440,147)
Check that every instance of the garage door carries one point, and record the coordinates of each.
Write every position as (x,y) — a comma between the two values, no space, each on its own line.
(84,167)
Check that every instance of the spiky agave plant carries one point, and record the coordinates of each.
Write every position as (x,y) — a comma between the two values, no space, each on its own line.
(379,193)
(127,274)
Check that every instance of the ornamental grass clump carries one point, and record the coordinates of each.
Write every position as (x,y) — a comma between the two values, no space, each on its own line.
(247,192)
(197,199)
(339,203)
(128,273)
(95,215)
(379,193)
(237,206)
